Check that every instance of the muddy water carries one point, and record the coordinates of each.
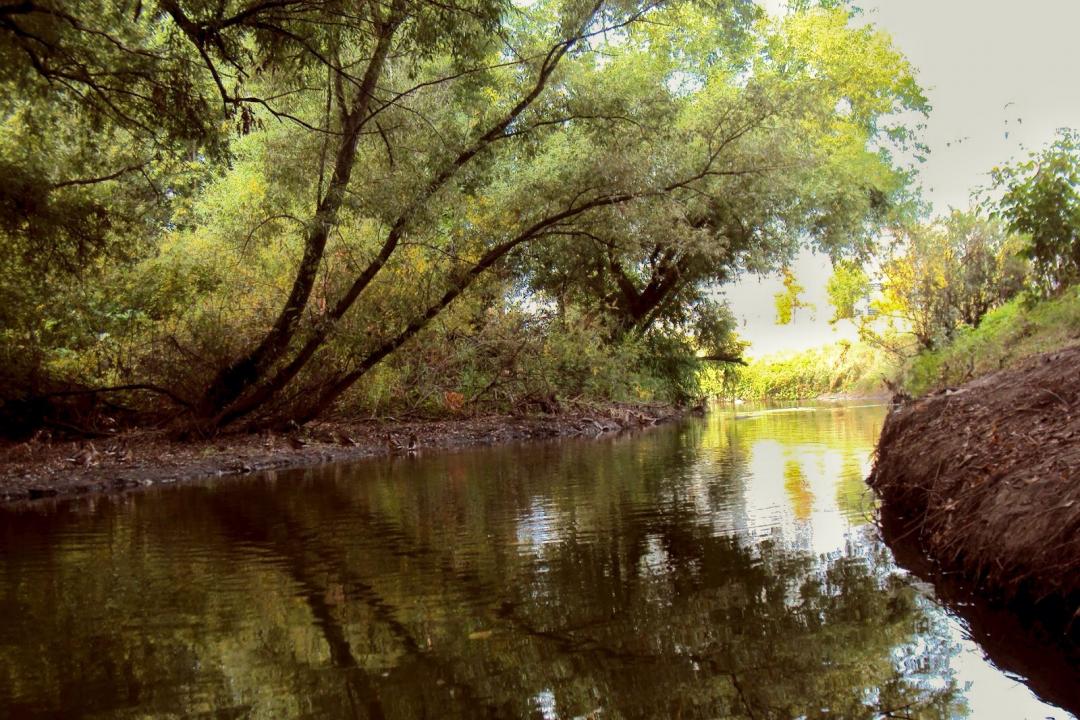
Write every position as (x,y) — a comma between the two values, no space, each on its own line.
(725,568)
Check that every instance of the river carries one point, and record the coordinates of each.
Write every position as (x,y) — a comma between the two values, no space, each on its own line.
(721,568)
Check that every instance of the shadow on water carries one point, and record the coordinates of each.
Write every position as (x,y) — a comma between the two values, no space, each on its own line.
(1018,644)
(723,568)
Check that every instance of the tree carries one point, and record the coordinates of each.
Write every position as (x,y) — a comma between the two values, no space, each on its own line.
(941,277)
(1041,198)
(788,301)
(330,72)
(798,171)
(564,167)
(380,161)
(847,287)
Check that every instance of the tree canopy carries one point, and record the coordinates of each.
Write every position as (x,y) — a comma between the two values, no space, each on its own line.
(1041,198)
(249,206)
(935,278)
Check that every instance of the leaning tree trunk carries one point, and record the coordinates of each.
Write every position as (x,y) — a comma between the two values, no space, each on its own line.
(254,390)
(245,372)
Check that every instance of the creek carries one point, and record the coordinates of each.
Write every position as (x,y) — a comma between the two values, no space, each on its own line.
(719,568)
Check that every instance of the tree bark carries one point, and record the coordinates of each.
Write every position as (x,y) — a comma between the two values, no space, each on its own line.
(636,305)
(234,406)
(239,376)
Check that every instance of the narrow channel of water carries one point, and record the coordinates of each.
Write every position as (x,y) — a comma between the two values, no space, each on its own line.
(724,568)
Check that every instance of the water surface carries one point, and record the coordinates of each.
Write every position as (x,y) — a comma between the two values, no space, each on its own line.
(724,568)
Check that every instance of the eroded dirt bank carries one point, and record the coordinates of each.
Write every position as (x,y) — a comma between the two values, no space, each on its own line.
(42,468)
(986,478)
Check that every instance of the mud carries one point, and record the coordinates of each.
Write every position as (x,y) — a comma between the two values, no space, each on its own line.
(43,468)
(986,479)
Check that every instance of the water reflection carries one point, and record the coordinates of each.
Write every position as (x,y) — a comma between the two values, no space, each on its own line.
(720,569)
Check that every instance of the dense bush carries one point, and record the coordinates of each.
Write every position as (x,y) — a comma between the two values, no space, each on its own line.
(841,368)
(508,360)
(1006,335)
(1041,198)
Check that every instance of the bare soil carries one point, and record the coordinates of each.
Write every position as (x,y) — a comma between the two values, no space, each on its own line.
(986,478)
(43,468)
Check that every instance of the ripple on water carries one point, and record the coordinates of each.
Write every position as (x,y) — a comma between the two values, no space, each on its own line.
(722,568)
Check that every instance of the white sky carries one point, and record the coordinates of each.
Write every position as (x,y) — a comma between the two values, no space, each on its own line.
(988,67)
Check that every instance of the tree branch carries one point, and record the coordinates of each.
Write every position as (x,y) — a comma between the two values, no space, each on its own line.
(95,180)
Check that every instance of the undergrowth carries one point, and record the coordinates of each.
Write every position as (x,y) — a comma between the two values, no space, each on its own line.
(1006,335)
(842,368)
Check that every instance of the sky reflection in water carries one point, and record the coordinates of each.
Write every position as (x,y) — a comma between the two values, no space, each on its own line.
(724,568)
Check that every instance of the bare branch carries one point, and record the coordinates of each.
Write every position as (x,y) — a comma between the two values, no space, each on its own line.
(95,180)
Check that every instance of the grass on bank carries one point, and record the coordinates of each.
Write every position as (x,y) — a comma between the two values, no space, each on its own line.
(1006,335)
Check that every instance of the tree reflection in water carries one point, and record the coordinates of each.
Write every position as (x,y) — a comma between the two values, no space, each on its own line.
(624,579)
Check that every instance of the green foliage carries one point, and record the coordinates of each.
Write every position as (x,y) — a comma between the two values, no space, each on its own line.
(102,111)
(788,301)
(847,286)
(942,277)
(1042,199)
(841,368)
(256,209)
(507,360)
(489,356)
(1006,336)
(794,167)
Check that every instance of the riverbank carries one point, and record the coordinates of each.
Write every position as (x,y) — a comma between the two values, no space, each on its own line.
(1013,643)
(41,468)
(1004,339)
(986,478)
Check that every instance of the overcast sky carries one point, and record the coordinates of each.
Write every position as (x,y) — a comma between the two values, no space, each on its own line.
(1001,77)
